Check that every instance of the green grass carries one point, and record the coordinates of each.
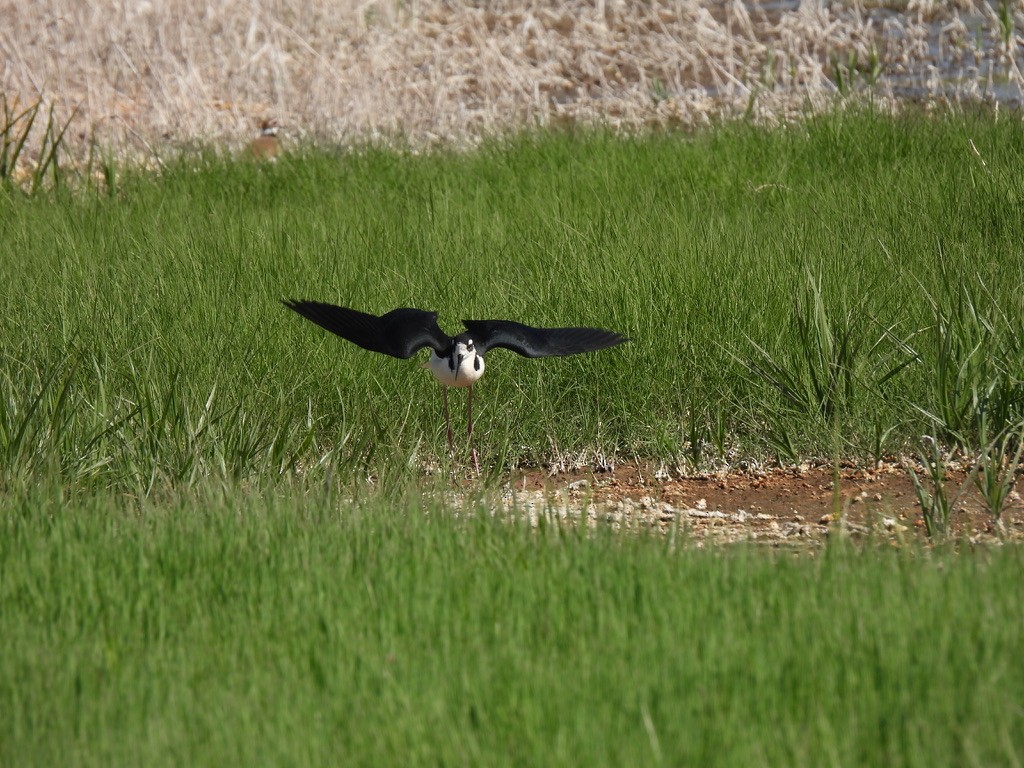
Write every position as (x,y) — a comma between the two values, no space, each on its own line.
(771,280)
(218,543)
(250,630)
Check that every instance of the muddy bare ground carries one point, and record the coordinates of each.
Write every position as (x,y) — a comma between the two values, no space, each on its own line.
(776,506)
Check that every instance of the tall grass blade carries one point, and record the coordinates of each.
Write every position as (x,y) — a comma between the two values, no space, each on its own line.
(14,138)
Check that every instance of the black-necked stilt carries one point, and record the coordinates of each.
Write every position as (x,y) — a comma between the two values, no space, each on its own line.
(455,361)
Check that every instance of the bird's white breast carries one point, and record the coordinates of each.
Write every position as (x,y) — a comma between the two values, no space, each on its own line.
(467,373)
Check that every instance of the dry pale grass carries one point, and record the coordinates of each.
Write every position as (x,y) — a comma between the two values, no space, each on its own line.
(148,74)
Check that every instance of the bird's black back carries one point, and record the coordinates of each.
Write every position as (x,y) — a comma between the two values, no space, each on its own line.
(539,342)
(399,333)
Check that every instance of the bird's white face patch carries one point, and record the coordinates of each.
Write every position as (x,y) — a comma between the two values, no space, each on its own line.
(463,369)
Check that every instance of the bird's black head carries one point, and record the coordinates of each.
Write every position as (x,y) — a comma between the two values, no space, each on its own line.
(464,339)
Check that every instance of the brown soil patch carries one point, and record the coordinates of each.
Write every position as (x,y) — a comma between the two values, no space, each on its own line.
(793,504)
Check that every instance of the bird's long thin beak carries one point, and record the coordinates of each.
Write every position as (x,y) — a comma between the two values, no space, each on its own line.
(458,365)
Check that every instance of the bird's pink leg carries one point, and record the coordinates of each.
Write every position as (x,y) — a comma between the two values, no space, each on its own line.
(448,420)
(469,431)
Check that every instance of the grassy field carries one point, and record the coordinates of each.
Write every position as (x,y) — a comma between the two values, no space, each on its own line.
(248,630)
(856,276)
(222,539)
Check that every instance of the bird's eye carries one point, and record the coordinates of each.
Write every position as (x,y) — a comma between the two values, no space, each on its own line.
(469,345)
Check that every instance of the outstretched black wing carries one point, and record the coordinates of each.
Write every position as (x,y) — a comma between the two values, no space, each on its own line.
(399,333)
(539,342)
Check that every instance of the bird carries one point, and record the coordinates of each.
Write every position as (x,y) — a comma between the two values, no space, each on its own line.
(456,361)
(266,144)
